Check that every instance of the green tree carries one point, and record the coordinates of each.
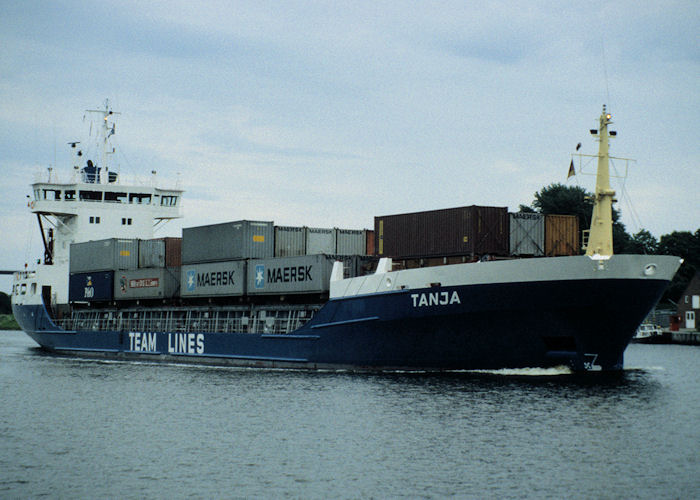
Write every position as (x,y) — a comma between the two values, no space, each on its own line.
(643,243)
(686,245)
(622,241)
(559,199)
(5,305)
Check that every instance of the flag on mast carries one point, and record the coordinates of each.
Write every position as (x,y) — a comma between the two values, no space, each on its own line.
(572,171)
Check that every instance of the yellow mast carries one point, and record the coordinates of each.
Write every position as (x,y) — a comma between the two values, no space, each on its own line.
(600,240)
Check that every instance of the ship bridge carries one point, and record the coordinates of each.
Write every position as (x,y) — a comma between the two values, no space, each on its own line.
(74,210)
(52,198)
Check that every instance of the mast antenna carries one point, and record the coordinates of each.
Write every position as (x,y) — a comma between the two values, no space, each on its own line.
(107,130)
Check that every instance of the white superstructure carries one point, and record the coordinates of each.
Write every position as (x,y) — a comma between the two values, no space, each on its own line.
(90,203)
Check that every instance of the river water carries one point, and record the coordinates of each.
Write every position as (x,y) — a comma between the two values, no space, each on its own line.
(83,428)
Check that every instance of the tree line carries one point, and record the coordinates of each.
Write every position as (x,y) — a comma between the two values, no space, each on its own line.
(574,200)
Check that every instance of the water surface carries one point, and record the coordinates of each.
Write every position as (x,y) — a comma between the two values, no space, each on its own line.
(83,428)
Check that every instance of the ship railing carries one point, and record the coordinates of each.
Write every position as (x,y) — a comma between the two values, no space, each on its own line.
(268,321)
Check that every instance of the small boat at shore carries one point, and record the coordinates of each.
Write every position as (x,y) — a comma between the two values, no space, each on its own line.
(650,334)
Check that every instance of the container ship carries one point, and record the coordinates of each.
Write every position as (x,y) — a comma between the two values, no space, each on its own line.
(457,289)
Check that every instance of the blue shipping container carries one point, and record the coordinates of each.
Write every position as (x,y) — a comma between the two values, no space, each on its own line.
(91,287)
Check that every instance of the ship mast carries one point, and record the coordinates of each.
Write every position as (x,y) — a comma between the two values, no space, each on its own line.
(600,241)
(108,130)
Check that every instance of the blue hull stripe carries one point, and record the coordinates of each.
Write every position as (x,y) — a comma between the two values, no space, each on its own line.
(345,322)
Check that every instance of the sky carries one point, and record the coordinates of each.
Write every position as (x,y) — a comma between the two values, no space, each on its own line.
(329,113)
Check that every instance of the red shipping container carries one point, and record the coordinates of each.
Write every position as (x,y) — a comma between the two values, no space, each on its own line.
(371,249)
(472,230)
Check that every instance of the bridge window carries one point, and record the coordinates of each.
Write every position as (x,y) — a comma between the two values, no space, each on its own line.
(126,221)
(70,194)
(115,197)
(94,220)
(90,195)
(169,201)
(52,194)
(140,198)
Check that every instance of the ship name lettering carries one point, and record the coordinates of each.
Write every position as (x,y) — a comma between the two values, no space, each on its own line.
(186,343)
(435,299)
(215,278)
(144,342)
(289,274)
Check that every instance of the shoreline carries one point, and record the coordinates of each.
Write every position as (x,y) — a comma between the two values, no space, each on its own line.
(8,322)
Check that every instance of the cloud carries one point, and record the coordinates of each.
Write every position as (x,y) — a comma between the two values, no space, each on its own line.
(327,114)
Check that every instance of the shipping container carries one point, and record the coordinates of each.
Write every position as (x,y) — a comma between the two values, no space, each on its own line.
(104,255)
(290,241)
(215,278)
(561,235)
(91,287)
(351,242)
(160,252)
(527,234)
(371,248)
(357,265)
(151,253)
(147,283)
(290,275)
(320,240)
(173,252)
(471,230)
(231,240)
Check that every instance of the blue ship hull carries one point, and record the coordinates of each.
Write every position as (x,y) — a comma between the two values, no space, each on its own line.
(581,323)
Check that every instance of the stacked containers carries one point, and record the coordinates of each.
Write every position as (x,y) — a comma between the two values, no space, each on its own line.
(471,230)
(561,235)
(122,269)
(92,265)
(527,234)
(290,275)
(228,241)
(214,256)
(291,241)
